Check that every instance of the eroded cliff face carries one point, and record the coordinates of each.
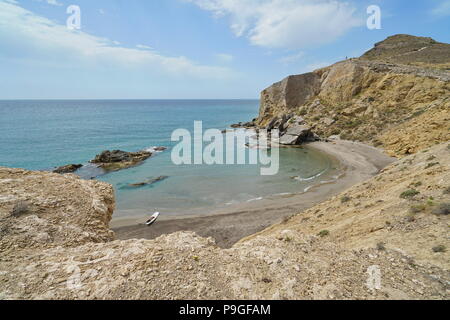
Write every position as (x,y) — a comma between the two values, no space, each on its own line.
(287,95)
(41,210)
(368,99)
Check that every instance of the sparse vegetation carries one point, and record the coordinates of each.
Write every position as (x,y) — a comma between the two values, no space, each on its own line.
(430,165)
(324,233)
(417,184)
(345,199)
(430,202)
(381,246)
(417,208)
(409,194)
(439,248)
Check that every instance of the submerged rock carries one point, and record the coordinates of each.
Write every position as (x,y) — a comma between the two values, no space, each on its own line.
(117,160)
(148,182)
(70,168)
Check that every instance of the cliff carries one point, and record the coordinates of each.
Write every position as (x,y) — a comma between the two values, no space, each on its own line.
(372,98)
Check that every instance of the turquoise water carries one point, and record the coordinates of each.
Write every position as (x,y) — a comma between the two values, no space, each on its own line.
(40,135)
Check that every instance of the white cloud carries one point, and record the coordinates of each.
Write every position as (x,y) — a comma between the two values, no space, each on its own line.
(224,57)
(442,10)
(144,47)
(285,23)
(50,2)
(54,3)
(292,58)
(25,35)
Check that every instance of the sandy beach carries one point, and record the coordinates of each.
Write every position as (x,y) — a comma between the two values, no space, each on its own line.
(357,162)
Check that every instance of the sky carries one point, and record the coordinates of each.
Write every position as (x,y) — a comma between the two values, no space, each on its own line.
(190,49)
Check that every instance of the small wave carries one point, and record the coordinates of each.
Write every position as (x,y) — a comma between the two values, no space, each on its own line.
(335,178)
(256,199)
(154,149)
(310,178)
(283,194)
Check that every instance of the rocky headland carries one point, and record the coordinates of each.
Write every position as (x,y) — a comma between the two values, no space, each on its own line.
(401,108)
(55,240)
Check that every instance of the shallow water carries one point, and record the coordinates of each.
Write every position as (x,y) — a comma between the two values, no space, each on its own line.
(39,135)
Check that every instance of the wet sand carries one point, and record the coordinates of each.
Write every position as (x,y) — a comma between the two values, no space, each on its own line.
(358,162)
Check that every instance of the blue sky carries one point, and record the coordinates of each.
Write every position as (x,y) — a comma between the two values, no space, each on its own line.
(188,49)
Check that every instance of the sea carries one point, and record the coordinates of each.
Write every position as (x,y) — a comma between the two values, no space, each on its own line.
(42,135)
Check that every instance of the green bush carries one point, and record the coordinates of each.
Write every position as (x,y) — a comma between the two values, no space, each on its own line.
(324,233)
(408,194)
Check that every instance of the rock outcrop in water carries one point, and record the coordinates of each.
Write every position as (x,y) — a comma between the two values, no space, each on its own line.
(70,168)
(398,86)
(118,160)
(148,182)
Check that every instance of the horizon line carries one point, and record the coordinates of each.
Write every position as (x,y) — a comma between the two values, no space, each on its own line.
(124,99)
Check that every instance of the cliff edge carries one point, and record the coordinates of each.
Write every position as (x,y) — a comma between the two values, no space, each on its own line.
(396,96)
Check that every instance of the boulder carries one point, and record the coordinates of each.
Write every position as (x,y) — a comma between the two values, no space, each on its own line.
(117,160)
(328,121)
(296,134)
(288,139)
(272,123)
(70,168)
